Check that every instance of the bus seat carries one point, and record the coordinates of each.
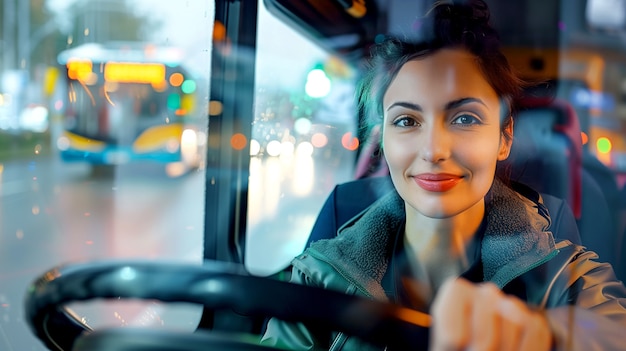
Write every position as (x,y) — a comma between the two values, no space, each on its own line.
(597,229)
(621,247)
(603,175)
(547,150)
(607,182)
(346,201)
(547,155)
(350,198)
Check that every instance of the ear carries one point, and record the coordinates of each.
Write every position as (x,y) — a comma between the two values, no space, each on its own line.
(506,140)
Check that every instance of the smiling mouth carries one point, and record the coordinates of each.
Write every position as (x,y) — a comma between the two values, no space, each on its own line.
(437,182)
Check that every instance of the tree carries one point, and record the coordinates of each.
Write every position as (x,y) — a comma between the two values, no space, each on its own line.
(108,20)
(91,21)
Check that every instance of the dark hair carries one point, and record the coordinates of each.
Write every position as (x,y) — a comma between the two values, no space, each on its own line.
(449,24)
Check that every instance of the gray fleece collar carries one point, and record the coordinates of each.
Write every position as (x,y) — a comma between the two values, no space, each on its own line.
(517,236)
(516,239)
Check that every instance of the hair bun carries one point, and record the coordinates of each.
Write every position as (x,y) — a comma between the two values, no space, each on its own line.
(458,23)
(473,12)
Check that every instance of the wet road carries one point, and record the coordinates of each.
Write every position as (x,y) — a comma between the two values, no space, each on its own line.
(52,213)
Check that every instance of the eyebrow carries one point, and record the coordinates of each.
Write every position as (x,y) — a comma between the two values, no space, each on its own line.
(449,106)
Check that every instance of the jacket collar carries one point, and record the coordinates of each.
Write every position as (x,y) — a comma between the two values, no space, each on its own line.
(516,239)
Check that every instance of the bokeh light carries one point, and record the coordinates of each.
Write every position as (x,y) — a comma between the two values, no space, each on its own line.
(349,141)
(188,86)
(238,141)
(604,145)
(287,148)
(215,108)
(304,149)
(302,125)
(317,84)
(255,147)
(176,79)
(173,101)
(319,140)
(273,148)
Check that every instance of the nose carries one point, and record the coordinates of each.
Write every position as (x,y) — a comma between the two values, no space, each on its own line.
(435,143)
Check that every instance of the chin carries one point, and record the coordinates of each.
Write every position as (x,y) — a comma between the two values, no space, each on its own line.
(437,212)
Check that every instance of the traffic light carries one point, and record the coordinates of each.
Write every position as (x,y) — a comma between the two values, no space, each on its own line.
(317,83)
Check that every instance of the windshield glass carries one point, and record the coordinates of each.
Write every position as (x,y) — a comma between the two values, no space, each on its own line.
(100,159)
(303,141)
(130,129)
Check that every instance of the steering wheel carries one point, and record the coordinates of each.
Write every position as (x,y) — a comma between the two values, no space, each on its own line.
(215,285)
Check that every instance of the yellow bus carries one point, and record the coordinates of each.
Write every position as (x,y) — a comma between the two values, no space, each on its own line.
(129,102)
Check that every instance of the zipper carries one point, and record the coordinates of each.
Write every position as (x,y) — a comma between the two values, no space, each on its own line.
(339,341)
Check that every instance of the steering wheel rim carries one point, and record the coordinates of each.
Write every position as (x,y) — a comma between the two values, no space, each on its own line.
(215,285)
(142,339)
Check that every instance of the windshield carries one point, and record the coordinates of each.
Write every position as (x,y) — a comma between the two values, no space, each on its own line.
(184,131)
(92,159)
(302,142)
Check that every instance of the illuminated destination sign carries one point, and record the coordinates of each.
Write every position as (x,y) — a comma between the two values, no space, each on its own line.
(79,69)
(131,72)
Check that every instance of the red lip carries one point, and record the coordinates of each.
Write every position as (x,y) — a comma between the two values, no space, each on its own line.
(437,182)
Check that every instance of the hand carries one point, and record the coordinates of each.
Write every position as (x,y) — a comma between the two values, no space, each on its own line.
(469,316)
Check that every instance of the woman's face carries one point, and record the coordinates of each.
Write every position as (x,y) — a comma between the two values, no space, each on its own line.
(441,134)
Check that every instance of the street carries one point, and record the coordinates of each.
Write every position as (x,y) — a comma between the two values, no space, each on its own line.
(53,213)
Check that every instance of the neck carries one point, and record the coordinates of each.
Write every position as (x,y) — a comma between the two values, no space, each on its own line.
(437,247)
(442,237)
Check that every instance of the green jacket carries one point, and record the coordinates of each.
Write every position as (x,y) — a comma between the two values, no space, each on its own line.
(518,253)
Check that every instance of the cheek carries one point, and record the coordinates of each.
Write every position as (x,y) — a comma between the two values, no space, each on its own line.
(480,154)
(397,154)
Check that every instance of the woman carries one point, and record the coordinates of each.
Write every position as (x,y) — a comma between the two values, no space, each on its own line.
(452,239)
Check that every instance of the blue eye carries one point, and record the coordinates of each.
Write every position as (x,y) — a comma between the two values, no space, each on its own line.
(466,119)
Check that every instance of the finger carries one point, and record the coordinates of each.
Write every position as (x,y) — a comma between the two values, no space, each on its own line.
(537,336)
(450,315)
(486,318)
(515,316)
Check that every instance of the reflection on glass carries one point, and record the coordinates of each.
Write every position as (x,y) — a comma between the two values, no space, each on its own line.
(304,106)
(103,111)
